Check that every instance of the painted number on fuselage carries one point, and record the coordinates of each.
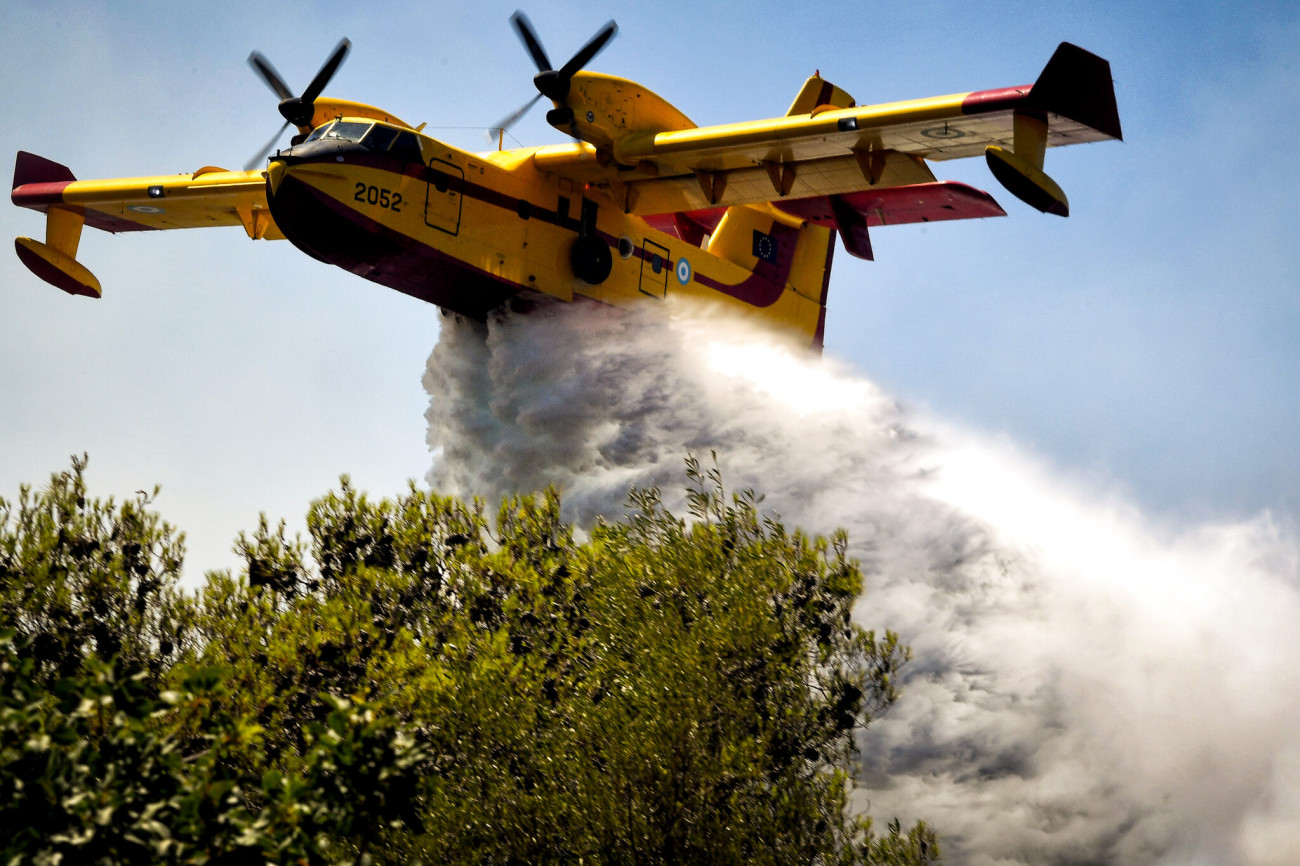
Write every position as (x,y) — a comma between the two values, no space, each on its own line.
(377,195)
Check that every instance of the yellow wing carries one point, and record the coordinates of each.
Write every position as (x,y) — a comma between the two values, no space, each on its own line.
(832,150)
(208,197)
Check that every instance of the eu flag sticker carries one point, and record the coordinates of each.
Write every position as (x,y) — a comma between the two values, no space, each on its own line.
(765,247)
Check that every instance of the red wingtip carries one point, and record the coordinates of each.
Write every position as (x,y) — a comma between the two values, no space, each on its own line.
(1077,84)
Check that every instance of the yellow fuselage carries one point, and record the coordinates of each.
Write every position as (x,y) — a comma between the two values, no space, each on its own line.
(469,232)
(642,207)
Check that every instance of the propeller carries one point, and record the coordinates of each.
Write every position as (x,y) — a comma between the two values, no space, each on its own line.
(296,110)
(552,83)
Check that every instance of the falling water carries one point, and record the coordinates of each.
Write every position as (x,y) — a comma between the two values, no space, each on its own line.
(1087,686)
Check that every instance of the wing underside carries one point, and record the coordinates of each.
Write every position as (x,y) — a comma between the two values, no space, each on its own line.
(207,197)
(805,163)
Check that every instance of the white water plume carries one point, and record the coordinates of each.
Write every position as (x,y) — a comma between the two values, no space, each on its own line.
(1087,687)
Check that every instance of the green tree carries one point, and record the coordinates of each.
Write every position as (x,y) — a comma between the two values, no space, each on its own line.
(83,577)
(89,774)
(434,685)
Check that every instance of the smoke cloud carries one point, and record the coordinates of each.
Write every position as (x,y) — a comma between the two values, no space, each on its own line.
(1087,686)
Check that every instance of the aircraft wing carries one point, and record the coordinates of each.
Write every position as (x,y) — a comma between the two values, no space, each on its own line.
(834,151)
(208,197)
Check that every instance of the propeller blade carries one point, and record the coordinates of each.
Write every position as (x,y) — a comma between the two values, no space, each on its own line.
(326,72)
(590,50)
(507,122)
(528,36)
(264,152)
(296,110)
(554,83)
(272,78)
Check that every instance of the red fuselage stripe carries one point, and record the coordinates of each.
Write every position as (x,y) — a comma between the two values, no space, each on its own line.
(762,288)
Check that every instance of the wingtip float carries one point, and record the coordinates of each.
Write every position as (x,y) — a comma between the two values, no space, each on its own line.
(643,204)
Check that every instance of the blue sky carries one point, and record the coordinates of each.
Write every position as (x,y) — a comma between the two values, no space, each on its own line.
(1150,343)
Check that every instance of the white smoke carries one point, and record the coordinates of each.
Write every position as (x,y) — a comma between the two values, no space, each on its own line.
(1087,687)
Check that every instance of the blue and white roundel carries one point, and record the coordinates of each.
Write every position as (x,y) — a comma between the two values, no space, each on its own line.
(683,271)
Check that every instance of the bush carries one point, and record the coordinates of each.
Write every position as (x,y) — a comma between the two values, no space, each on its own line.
(438,686)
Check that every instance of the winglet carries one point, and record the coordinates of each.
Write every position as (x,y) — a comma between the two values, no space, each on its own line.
(1076,84)
(30,168)
(816,93)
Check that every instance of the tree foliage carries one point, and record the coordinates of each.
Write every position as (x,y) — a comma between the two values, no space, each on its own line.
(419,682)
(81,576)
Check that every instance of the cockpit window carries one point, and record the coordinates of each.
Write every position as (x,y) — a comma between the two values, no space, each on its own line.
(397,142)
(347,131)
(319,131)
(380,137)
(406,146)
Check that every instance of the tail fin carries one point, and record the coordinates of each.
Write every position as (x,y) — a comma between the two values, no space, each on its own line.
(810,272)
(784,253)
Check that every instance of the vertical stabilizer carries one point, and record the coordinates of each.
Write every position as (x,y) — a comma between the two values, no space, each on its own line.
(791,254)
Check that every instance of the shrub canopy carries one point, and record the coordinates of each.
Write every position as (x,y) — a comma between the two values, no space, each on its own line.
(431,685)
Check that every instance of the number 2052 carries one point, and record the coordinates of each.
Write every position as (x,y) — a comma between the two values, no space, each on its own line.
(379,196)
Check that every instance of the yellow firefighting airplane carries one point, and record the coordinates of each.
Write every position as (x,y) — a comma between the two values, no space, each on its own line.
(643,204)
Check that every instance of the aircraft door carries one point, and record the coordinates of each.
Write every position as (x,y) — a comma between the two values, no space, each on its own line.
(446,190)
(654,270)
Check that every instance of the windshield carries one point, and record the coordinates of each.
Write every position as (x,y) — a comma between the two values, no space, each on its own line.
(399,143)
(347,131)
(319,131)
(378,137)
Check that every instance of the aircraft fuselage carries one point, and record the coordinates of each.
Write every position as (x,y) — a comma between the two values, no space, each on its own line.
(469,232)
